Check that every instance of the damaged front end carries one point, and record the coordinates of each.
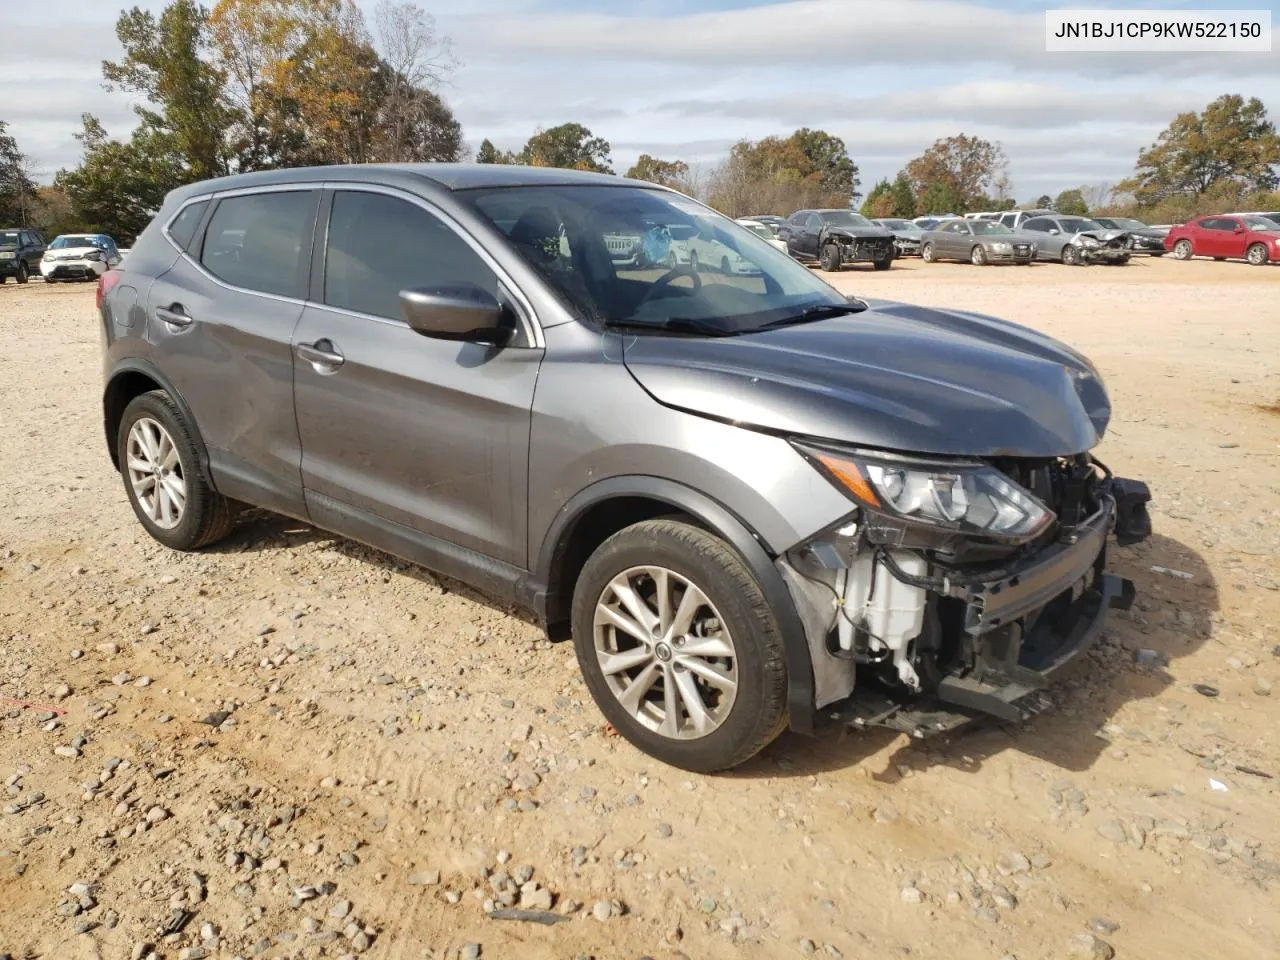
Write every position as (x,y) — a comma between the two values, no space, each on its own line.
(1110,246)
(956,589)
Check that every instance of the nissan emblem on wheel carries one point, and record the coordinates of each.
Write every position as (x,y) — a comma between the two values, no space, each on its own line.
(751,501)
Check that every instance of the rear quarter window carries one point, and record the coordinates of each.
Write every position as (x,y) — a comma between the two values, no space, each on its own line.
(182,228)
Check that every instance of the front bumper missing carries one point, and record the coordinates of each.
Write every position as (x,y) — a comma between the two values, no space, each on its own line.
(1026,629)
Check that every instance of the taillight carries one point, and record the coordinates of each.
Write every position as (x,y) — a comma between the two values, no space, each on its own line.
(106,283)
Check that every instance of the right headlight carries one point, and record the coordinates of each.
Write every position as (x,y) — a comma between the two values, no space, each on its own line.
(1001,247)
(966,498)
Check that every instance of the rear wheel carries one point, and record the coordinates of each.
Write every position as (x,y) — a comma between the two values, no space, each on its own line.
(679,647)
(162,477)
(978,255)
(1256,254)
(927,255)
(22,272)
(830,258)
(883,264)
(1182,250)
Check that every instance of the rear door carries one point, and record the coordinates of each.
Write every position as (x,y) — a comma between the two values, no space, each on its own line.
(406,440)
(220,322)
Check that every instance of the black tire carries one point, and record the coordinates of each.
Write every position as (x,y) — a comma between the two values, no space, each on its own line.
(1160,254)
(882,264)
(1183,250)
(1123,260)
(1219,259)
(693,260)
(724,265)
(50,280)
(978,255)
(208,516)
(22,275)
(927,254)
(1256,254)
(759,711)
(1070,256)
(830,258)
(4,278)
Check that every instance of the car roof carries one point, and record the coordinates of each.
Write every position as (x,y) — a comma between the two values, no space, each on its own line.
(449,176)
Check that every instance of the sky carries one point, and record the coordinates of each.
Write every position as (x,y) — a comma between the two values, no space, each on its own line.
(685,79)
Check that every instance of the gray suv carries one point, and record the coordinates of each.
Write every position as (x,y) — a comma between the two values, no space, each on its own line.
(751,501)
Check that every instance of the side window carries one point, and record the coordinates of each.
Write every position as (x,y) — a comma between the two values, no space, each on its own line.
(260,241)
(1039,224)
(182,228)
(814,223)
(1009,219)
(379,245)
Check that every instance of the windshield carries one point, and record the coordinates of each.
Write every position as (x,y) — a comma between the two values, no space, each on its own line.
(989,227)
(759,229)
(9,236)
(904,225)
(631,256)
(1260,223)
(845,218)
(61,243)
(1124,223)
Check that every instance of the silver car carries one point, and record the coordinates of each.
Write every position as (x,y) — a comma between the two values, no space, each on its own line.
(1076,240)
(980,242)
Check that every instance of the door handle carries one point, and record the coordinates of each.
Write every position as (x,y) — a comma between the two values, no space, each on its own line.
(174,315)
(322,355)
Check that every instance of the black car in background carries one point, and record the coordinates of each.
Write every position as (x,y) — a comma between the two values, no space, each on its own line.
(1146,239)
(837,237)
(20,253)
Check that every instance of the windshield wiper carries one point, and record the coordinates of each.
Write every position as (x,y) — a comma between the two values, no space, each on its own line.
(677,325)
(820,311)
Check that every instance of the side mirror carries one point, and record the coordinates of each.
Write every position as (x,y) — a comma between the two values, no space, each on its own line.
(1054,230)
(1238,229)
(457,312)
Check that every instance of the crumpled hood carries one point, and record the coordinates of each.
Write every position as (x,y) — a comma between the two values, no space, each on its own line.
(895,377)
(859,233)
(1103,236)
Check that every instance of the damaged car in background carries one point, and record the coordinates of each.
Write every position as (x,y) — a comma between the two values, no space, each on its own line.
(836,237)
(751,501)
(1077,240)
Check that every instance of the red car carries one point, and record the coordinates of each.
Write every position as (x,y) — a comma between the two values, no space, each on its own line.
(1236,237)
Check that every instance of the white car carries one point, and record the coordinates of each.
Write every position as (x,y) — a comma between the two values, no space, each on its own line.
(708,253)
(763,232)
(79,256)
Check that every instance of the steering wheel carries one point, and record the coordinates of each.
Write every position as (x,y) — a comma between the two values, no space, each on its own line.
(679,270)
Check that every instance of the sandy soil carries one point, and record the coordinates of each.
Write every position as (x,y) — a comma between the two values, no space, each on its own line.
(397,751)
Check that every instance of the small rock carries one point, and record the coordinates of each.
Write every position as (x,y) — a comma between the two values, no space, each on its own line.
(470,952)
(384,679)
(1113,830)
(142,682)
(1012,863)
(425,878)
(340,910)
(192,953)
(602,910)
(521,731)
(1102,925)
(1146,657)
(1204,689)
(1088,947)
(808,947)
(156,814)
(147,628)
(1003,899)
(912,895)
(539,899)
(1262,687)
(885,813)
(61,691)
(708,905)
(664,830)
(69,752)
(360,942)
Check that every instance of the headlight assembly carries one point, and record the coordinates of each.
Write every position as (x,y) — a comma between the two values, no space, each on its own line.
(93,255)
(1002,247)
(1089,242)
(966,498)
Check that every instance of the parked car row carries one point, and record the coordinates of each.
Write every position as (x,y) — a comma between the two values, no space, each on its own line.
(24,254)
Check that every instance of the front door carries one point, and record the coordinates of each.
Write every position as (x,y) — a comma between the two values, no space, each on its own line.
(407,440)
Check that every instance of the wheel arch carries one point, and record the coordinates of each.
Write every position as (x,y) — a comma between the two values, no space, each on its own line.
(131,379)
(607,506)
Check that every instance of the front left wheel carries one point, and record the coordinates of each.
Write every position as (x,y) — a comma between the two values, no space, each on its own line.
(679,647)
(162,476)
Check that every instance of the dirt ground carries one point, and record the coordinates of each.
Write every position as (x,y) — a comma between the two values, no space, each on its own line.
(291,746)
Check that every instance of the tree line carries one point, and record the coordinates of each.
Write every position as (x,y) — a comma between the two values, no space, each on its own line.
(261,84)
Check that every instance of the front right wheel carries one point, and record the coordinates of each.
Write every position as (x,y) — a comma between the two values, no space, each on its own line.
(679,647)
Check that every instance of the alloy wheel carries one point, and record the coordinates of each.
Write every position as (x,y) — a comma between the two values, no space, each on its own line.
(1257,254)
(155,473)
(979,256)
(665,653)
(1182,250)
